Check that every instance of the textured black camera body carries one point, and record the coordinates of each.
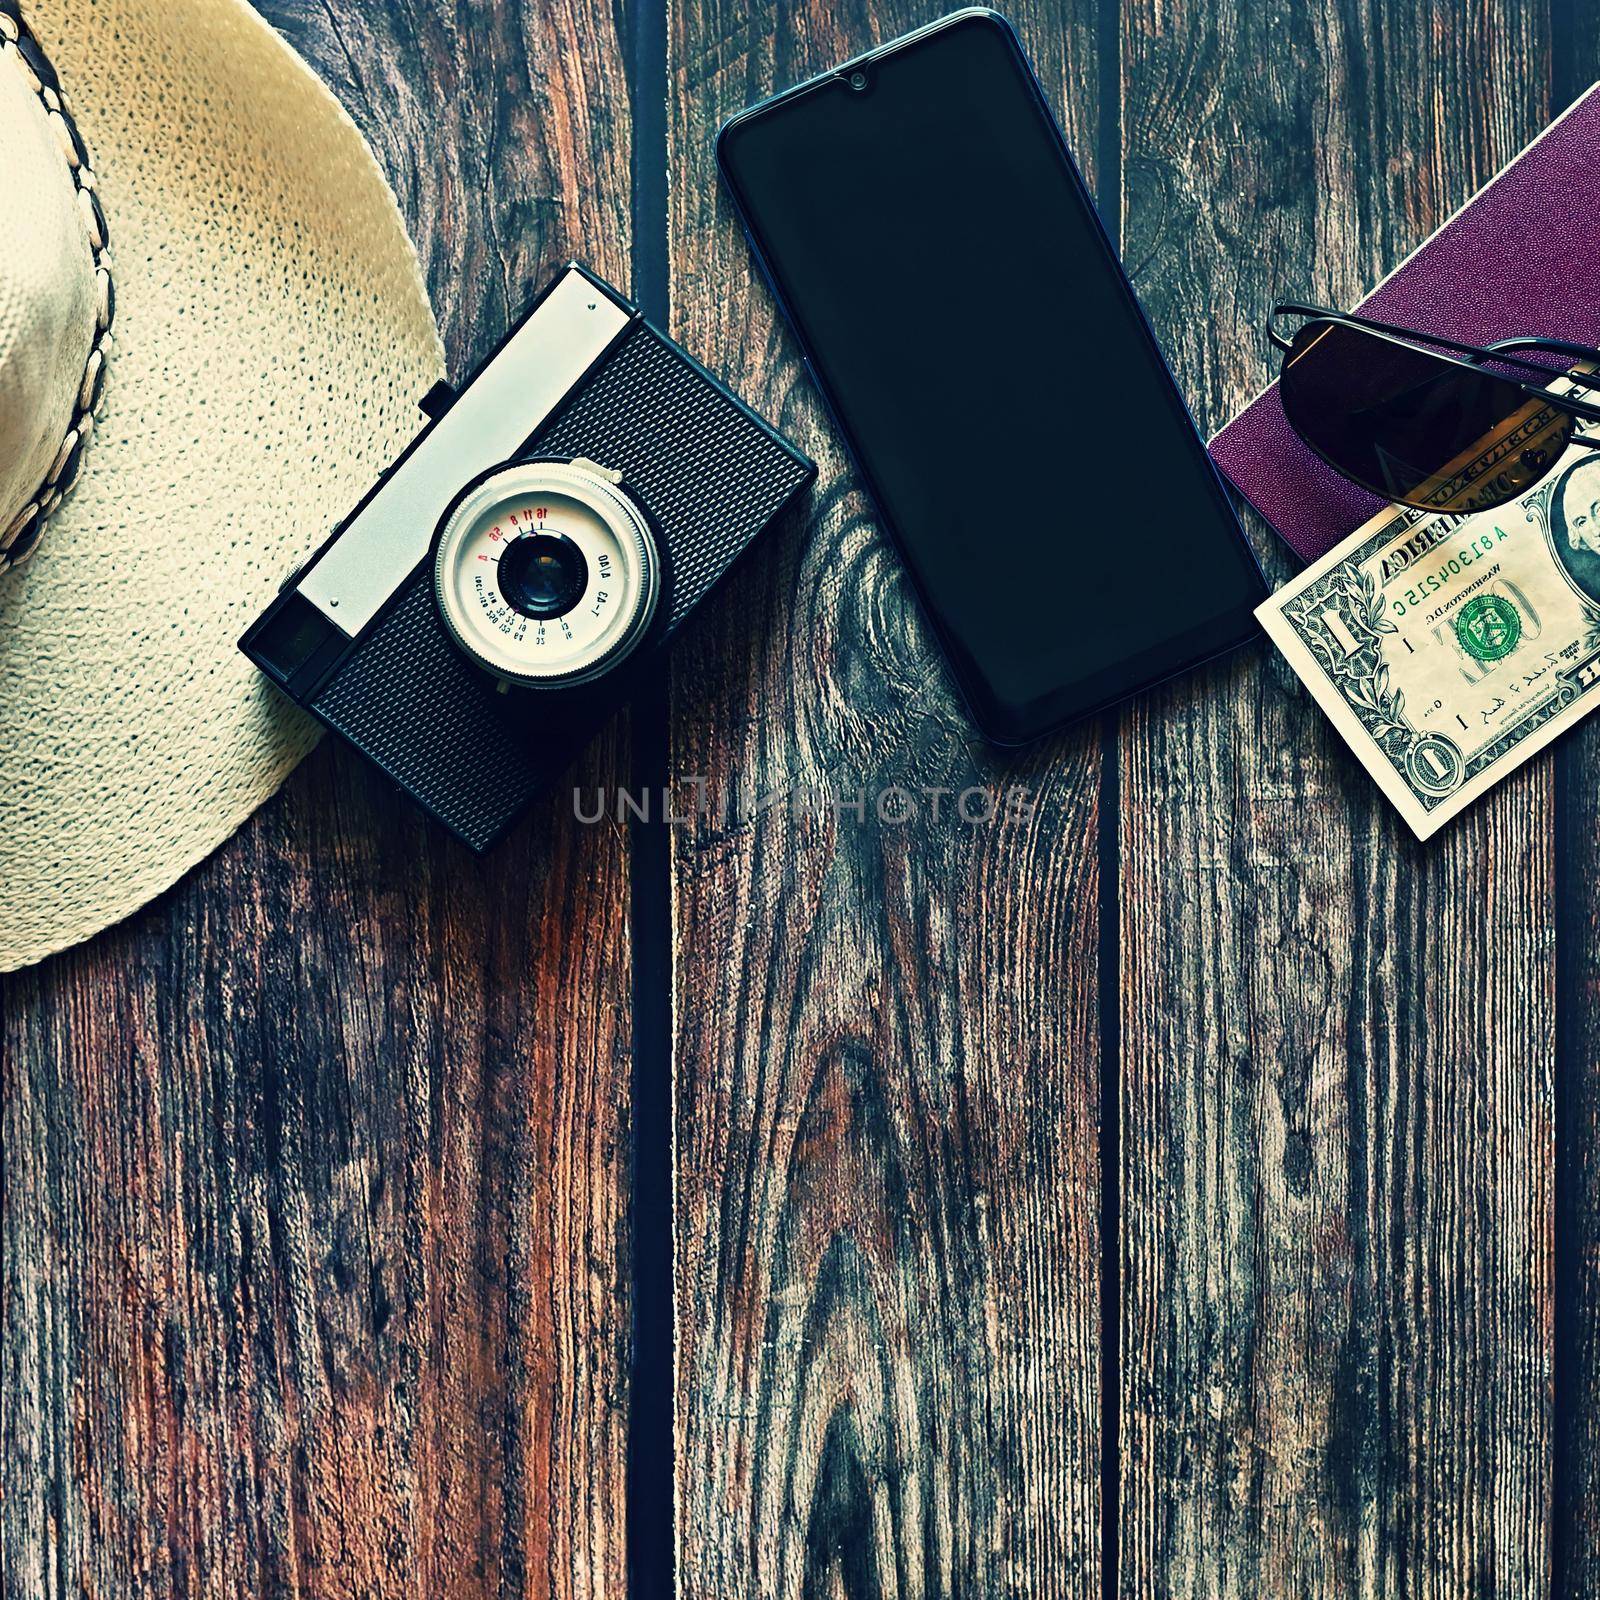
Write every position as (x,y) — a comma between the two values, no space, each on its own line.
(406,636)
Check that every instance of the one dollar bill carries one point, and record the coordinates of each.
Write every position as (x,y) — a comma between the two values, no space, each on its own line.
(1449,649)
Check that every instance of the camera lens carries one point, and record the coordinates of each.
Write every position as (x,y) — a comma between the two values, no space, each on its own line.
(858,80)
(543,574)
(546,572)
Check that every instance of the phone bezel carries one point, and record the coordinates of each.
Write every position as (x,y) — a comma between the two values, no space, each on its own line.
(1000,723)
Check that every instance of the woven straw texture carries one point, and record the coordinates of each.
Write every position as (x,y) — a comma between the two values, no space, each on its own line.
(273,336)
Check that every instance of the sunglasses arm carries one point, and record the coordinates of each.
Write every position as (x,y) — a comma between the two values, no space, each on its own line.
(1564,402)
(1504,347)
(1558,347)
(1303,311)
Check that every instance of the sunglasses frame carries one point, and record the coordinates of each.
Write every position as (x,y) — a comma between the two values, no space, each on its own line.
(1433,344)
(1499,351)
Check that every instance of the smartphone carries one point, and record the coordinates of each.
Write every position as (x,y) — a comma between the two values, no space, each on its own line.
(920,220)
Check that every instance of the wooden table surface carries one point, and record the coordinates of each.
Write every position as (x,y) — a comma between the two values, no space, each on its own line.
(1189,1189)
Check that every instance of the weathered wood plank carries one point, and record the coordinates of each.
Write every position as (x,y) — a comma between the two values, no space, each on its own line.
(887,1034)
(314,1221)
(1576,1478)
(1337,1134)
(1576,1353)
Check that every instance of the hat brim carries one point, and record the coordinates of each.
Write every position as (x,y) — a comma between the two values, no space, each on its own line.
(273,336)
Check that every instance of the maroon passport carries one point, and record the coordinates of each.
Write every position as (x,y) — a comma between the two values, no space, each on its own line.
(1518,258)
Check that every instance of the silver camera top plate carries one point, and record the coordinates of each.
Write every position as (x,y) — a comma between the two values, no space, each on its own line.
(527,378)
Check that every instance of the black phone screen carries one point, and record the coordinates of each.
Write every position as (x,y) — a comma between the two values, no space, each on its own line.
(922,223)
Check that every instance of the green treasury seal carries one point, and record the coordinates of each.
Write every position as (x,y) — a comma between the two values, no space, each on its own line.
(1488,627)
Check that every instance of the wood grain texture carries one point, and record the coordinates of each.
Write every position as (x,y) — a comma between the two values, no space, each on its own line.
(1337,1135)
(314,1180)
(886,1032)
(1576,1466)
(1576,1345)
(314,1193)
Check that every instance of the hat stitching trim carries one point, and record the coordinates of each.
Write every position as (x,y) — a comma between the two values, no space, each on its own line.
(22,535)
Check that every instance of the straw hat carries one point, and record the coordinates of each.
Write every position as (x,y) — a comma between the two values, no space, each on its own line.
(213,337)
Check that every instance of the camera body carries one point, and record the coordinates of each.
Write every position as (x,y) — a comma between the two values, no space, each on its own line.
(525,561)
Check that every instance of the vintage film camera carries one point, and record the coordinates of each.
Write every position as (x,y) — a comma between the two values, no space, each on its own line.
(471,624)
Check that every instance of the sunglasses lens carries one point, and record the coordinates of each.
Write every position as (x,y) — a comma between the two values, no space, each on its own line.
(1414,427)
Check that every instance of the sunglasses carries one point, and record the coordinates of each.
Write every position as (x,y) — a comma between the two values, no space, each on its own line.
(1425,421)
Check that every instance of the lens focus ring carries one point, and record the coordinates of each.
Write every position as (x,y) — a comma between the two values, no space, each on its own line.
(546,572)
